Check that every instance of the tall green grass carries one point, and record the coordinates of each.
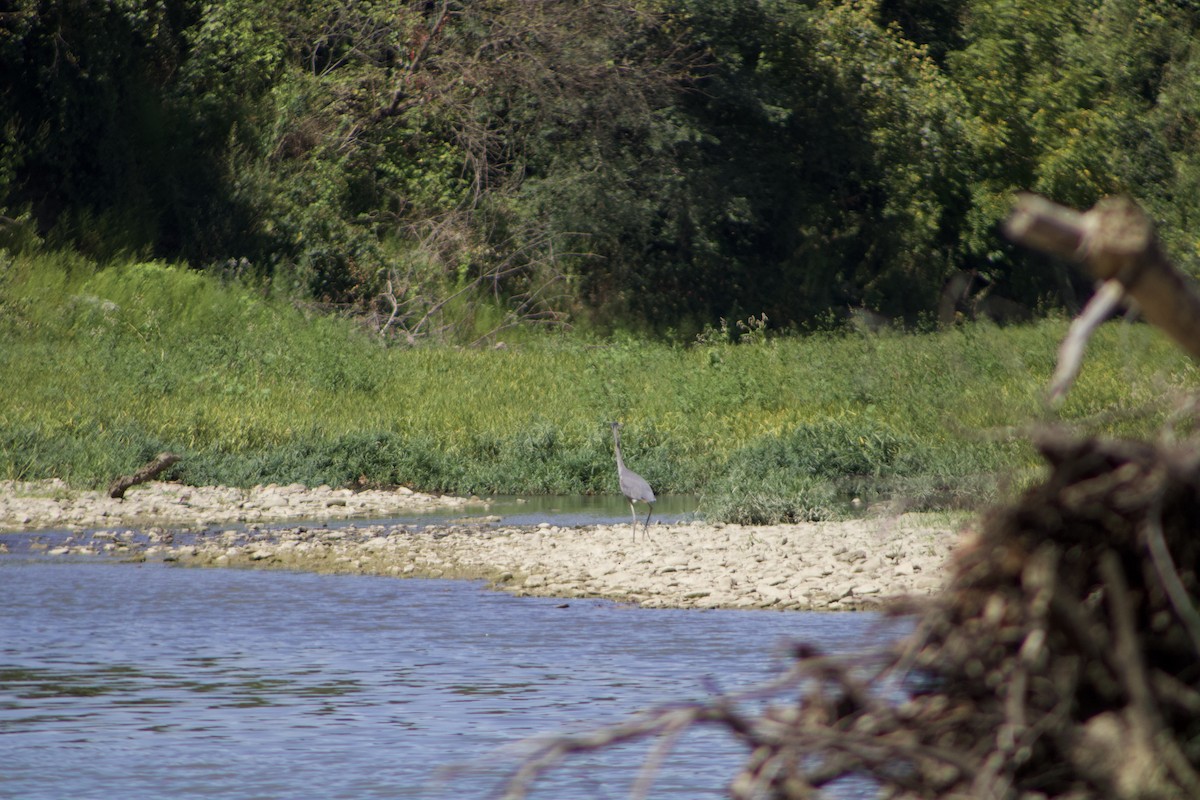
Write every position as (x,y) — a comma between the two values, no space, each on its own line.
(102,367)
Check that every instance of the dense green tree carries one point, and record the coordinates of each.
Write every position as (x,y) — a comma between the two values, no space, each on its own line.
(818,163)
(1064,100)
(652,163)
(933,24)
(422,152)
(114,135)
(81,81)
(1149,53)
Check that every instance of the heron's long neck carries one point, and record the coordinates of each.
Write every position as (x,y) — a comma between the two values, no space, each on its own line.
(617,448)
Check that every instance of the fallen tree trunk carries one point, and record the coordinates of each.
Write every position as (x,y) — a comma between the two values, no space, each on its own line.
(149,472)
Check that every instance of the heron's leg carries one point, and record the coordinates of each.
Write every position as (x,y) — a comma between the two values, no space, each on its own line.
(633,512)
(646,525)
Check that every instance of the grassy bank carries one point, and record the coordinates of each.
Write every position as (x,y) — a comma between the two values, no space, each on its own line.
(101,369)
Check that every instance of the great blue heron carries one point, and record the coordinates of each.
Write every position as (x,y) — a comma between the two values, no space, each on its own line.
(633,486)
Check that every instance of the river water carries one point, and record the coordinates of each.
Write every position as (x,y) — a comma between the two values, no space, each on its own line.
(567,511)
(151,681)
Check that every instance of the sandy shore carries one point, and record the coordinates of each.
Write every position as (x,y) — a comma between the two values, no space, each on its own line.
(843,565)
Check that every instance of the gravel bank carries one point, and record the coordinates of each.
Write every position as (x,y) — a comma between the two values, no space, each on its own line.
(51,504)
(846,565)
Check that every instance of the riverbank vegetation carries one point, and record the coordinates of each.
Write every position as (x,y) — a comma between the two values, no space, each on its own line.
(442,244)
(102,367)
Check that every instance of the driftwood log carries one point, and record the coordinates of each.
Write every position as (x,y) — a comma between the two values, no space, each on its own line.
(1062,659)
(1115,242)
(149,472)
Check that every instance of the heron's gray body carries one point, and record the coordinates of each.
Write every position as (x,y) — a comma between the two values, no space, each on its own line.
(633,486)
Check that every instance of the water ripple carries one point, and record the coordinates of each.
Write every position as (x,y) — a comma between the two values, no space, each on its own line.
(146,681)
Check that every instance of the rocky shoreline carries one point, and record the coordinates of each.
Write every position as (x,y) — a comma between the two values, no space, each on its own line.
(845,565)
(42,505)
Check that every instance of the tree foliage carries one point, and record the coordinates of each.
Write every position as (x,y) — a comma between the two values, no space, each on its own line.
(451,167)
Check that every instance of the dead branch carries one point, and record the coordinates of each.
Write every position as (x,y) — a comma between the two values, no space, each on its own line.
(520,273)
(1070,353)
(149,472)
(1116,242)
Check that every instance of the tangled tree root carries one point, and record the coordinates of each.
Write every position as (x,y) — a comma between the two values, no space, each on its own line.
(1062,660)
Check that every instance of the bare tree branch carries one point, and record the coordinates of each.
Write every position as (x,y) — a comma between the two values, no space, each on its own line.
(1115,240)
